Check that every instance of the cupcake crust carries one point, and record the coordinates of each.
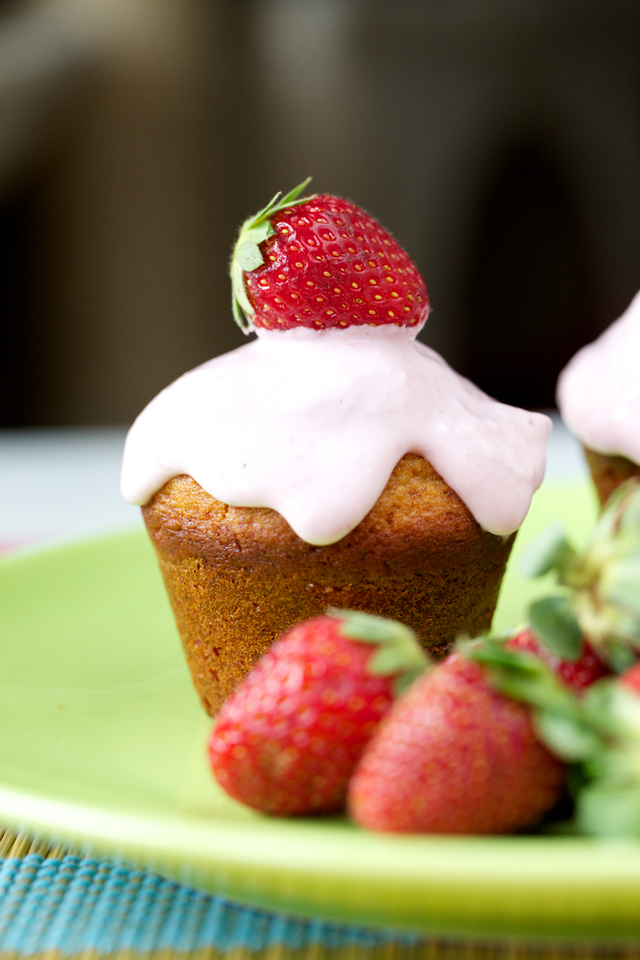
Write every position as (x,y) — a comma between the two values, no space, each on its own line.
(238,577)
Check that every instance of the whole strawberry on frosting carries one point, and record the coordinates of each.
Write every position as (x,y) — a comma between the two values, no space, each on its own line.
(321,262)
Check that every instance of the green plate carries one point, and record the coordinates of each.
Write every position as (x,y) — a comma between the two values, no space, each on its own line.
(102,746)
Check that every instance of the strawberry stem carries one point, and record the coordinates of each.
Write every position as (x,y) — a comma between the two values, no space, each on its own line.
(399,655)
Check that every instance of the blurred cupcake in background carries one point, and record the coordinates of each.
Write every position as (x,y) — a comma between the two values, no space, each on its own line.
(598,397)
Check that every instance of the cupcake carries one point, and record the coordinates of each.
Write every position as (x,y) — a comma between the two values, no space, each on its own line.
(598,397)
(333,460)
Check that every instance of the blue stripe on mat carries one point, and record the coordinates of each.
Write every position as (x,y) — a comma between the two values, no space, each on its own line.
(75,904)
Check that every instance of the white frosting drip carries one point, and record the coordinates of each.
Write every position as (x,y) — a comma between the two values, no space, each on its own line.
(312,423)
(599,389)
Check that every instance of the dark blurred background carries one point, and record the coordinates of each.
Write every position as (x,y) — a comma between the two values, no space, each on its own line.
(499,141)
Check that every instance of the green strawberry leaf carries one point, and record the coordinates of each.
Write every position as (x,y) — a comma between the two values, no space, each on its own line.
(618,654)
(550,551)
(490,650)
(240,305)
(612,711)
(247,255)
(292,197)
(567,737)
(387,661)
(276,204)
(399,654)
(521,675)
(620,583)
(608,794)
(609,810)
(623,705)
(554,622)
(369,628)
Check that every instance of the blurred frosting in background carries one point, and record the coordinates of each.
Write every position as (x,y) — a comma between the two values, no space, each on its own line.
(500,142)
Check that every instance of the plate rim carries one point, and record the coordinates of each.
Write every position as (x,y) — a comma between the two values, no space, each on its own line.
(95,831)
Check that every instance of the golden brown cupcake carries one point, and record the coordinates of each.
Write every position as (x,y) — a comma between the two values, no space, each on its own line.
(317,465)
(238,577)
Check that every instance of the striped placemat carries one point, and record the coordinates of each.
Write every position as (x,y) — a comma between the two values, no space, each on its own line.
(55,904)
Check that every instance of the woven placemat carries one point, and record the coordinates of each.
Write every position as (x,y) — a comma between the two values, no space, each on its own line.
(56,904)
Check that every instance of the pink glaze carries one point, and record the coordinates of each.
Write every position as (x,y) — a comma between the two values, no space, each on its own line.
(599,389)
(312,423)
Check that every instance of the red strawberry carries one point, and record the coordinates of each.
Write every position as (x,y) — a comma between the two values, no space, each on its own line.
(321,262)
(577,674)
(631,678)
(455,756)
(288,739)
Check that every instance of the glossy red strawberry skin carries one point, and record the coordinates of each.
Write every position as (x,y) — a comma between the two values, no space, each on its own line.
(329,265)
(453,756)
(289,738)
(577,675)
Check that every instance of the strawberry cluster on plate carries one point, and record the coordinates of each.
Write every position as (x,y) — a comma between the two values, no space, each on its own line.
(346,711)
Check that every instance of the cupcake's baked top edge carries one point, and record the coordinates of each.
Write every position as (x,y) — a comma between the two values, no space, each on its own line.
(312,424)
